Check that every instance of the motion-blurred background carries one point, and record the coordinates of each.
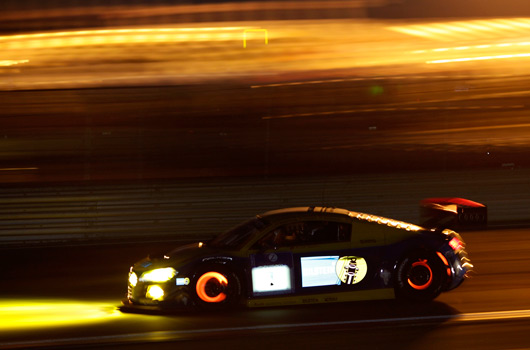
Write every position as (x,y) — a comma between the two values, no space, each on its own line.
(429,97)
(128,127)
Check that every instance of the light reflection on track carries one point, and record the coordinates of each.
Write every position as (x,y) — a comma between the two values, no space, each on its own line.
(53,314)
(34,313)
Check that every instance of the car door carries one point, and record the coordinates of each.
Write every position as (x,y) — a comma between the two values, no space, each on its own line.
(299,256)
(271,265)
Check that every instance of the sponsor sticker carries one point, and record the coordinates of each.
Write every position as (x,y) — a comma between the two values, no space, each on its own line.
(351,269)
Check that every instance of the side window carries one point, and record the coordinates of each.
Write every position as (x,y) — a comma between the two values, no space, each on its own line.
(308,232)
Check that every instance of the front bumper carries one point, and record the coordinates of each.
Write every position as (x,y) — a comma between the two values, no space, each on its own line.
(174,297)
(128,306)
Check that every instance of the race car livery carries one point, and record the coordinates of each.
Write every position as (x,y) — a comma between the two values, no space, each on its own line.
(303,256)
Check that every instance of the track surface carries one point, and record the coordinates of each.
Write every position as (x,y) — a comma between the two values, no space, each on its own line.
(68,295)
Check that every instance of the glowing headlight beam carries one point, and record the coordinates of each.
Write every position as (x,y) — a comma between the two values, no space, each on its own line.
(19,313)
(155,292)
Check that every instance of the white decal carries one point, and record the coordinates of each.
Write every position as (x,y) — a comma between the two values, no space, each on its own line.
(271,278)
(319,271)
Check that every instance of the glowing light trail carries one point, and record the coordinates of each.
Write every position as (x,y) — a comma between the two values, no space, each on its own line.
(473,29)
(19,314)
(7,63)
(117,31)
(481,58)
(120,36)
(18,169)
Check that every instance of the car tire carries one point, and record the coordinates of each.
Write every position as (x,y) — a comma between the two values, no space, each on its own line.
(217,288)
(419,276)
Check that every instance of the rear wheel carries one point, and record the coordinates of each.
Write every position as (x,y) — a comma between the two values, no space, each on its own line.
(217,287)
(419,277)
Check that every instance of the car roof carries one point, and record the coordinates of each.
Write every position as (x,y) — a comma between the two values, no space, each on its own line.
(279,214)
(286,213)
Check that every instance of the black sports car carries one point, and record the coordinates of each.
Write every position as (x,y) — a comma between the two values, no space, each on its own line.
(301,256)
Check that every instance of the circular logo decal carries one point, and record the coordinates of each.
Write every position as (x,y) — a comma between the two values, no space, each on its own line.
(351,269)
(273,257)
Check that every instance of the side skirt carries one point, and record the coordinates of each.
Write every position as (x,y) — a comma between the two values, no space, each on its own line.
(372,294)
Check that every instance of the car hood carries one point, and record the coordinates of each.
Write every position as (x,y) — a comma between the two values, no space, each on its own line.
(177,257)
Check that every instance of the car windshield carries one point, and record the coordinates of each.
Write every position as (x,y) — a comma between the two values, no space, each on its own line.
(239,235)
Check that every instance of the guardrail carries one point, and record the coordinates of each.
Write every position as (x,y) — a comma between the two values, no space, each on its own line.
(195,210)
(18,17)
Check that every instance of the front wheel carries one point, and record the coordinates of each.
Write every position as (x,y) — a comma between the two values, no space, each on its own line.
(217,288)
(419,277)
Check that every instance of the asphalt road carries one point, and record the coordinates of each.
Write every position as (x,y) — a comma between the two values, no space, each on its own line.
(67,295)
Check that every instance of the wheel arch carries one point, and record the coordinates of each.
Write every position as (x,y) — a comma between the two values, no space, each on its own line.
(417,252)
(233,273)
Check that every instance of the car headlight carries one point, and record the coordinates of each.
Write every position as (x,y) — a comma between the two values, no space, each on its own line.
(155,292)
(133,279)
(158,275)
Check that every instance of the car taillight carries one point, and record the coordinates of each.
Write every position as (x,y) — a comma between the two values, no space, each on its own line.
(456,244)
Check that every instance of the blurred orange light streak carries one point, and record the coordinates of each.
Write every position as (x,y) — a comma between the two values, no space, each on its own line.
(474,29)
(16,169)
(117,31)
(7,63)
(118,37)
(483,46)
(482,58)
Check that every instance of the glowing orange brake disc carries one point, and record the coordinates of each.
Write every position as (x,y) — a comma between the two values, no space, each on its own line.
(426,284)
(203,281)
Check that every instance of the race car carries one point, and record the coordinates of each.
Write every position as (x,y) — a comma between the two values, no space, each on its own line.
(302,255)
